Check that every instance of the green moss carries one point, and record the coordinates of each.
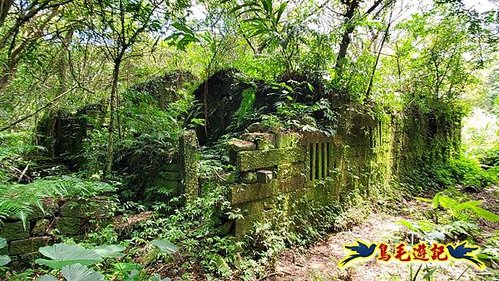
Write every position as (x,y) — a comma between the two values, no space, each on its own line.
(242,193)
(284,140)
(263,141)
(366,157)
(249,177)
(28,246)
(14,231)
(86,208)
(68,226)
(189,164)
(261,159)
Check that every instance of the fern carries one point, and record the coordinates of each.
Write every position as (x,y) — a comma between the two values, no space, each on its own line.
(19,200)
(456,208)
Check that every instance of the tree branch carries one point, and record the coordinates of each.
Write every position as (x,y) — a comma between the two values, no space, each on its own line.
(36,111)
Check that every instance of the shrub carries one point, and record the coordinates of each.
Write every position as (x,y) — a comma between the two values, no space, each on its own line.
(19,200)
(465,171)
(491,157)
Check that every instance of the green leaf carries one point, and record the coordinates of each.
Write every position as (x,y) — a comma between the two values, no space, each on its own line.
(4,260)
(488,256)
(133,275)
(78,272)
(485,214)
(127,267)
(408,224)
(64,254)
(423,199)
(247,4)
(468,205)
(222,265)
(282,7)
(246,104)
(310,87)
(425,225)
(181,26)
(165,246)
(109,251)
(435,201)
(3,243)
(47,278)
(24,218)
(447,202)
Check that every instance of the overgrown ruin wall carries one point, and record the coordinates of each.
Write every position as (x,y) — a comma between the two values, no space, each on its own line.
(280,171)
(68,218)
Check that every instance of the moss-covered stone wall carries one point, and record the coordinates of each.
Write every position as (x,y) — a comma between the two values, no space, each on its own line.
(365,156)
(68,218)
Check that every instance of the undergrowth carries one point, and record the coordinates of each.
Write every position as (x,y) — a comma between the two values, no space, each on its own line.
(461,170)
(19,200)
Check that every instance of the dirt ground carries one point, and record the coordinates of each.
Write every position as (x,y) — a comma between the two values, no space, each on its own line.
(320,262)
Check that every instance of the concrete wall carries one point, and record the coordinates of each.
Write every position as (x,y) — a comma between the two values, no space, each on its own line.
(72,218)
(276,170)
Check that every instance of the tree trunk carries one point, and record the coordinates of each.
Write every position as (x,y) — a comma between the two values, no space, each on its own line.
(4,10)
(66,41)
(112,112)
(37,111)
(15,53)
(385,35)
(345,39)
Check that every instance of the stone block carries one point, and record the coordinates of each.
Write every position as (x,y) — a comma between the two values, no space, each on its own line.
(226,228)
(249,177)
(159,182)
(68,226)
(41,227)
(4,250)
(284,140)
(238,145)
(265,176)
(243,193)
(86,208)
(189,164)
(50,207)
(173,185)
(268,205)
(172,167)
(243,225)
(14,231)
(27,246)
(255,212)
(255,127)
(171,176)
(263,141)
(290,170)
(261,159)
(98,224)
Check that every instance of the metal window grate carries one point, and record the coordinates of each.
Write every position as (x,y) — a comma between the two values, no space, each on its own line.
(318,160)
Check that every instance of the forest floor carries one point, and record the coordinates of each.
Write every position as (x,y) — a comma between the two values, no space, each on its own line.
(320,262)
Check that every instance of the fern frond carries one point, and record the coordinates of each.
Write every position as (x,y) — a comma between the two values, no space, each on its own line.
(19,200)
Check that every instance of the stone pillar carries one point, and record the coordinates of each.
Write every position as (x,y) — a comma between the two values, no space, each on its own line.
(189,164)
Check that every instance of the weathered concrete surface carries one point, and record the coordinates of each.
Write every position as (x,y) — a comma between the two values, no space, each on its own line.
(189,164)
(29,245)
(261,159)
(14,231)
(363,158)
(243,193)
(71,219)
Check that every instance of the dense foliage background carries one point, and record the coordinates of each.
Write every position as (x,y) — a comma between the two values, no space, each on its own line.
(130,68)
